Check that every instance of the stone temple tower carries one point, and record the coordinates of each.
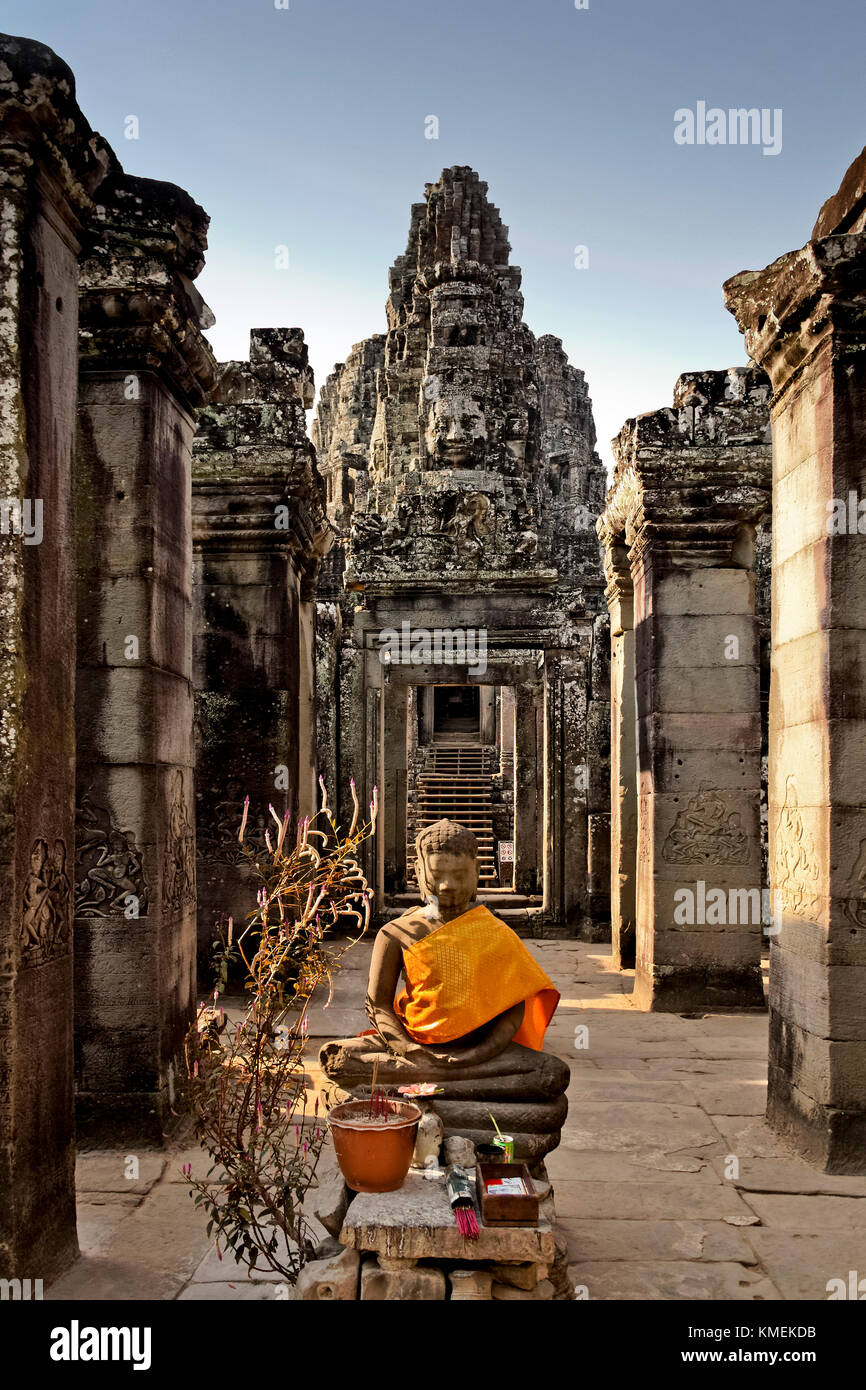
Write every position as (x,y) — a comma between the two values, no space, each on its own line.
(458,455)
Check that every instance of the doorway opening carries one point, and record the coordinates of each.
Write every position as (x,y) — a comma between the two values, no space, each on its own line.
(456,714)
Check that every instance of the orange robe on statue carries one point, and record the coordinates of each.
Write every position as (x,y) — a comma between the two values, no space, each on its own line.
(467,972)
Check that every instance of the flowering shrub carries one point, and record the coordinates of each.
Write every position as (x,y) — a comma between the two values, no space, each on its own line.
(245,1081)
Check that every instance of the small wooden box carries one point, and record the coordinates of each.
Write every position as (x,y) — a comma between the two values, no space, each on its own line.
(506,1209)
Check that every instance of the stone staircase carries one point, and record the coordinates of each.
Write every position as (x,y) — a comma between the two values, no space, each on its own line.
(457,784)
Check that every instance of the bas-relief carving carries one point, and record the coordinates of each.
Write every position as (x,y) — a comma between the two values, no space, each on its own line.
(217,830)
(707,832)
(796,869)
(473,520)
(109,867)
(178,877)
(855,907)
(45,907)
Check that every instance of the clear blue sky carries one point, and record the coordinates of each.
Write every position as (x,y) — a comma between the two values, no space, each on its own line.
(305,127)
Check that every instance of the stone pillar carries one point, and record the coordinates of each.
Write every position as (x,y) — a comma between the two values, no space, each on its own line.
(623,753)
(597,924)
(428,712)
(804,318)
(690,487)
(566,786)
(49,165)
(308,791)
(506,735)
(258,533)
(145,367)
(527,806)
(487,703)
(392,826)
(329,632)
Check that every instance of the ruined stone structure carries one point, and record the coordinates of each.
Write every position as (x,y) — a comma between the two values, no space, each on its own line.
(259,532)
(460,467)
(690,488)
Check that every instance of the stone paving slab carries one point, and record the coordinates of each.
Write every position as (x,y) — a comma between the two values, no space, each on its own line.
(747,1138)
(720,1097)
(810,1215)
(789,1175)
(213,1270)
(681,1068)
(106,1170)
(683,1200)
(664,1280)
(616,1125)
(596,1239)
(152,1254)
(629,1166)
(596,1089)
(417,1222)
(802,1265)
(238,1292)
(99,1219)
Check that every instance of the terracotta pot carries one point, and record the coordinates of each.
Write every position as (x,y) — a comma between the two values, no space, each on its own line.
(373,1158)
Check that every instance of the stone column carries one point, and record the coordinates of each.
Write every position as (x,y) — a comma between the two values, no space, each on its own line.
(145,367)
(690,487)
(566,786)
(428,711)
(487,723)
(527,807)
(308,791)
(597,924)
(392,826)
(506,735)
(804,318)
(623,753)
(50,162)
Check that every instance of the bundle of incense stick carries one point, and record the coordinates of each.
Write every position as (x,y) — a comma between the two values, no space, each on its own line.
(379,1102)
(462,1202)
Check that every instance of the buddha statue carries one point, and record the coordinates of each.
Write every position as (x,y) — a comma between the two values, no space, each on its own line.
(471,1015)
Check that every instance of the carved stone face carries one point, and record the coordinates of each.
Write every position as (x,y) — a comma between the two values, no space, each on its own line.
(456,431)
(452,879)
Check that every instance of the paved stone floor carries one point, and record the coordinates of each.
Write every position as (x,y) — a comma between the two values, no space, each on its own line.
(668,1183)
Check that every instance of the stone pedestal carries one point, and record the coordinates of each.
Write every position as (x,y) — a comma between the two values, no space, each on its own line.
(145,367)
(804,318)
(50,163)
(691,485)
(417,1223)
